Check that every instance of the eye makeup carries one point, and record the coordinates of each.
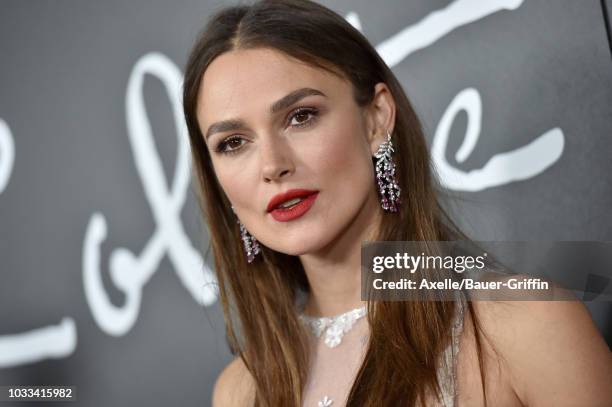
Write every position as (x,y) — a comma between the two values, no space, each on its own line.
(311,113)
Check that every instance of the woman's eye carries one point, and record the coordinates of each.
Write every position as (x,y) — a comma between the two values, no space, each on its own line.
(230,145)
(303,117)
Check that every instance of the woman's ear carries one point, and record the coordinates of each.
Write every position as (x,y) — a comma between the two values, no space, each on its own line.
(381,116)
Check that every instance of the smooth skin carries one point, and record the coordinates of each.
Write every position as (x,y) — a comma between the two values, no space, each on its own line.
(548,353)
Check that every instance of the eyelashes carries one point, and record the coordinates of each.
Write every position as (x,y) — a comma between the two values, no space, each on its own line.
(301,111)
(232,144)
(222,146)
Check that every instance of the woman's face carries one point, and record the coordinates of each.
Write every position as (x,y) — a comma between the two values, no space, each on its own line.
(270,142)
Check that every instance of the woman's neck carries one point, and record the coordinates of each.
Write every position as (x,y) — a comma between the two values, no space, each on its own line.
(334,272)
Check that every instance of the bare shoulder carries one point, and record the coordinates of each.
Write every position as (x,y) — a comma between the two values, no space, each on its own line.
(551,352)
(234,386)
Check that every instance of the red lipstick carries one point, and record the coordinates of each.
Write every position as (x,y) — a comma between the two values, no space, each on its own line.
(281,214)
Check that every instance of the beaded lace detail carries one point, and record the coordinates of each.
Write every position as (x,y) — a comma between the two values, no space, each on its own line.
(333,327)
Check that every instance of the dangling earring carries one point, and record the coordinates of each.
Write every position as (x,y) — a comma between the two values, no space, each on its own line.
(250,244)
(385,177)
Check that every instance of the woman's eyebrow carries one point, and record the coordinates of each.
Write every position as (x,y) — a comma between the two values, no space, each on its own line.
(282,103)
(224,125)
(294,97)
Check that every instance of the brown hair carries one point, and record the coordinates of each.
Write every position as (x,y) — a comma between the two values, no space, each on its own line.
(258,299)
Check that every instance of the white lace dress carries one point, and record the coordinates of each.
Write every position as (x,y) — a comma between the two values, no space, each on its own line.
(447,369)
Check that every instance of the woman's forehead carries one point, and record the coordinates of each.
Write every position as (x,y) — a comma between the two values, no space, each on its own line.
(240,79)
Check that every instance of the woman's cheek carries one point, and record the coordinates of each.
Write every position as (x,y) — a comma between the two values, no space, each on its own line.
(235,185)
(330,149)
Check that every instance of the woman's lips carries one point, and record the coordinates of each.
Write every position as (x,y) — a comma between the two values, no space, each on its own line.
(297,210)
(283,197)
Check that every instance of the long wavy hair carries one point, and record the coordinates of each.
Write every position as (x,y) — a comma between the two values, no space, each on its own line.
(258,299)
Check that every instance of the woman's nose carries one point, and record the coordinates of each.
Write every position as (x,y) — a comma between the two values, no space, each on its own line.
(276,162)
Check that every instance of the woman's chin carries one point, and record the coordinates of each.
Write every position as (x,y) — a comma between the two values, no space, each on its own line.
(299,246)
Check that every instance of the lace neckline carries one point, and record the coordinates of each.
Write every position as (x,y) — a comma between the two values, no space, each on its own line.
(333,328)
(447,368)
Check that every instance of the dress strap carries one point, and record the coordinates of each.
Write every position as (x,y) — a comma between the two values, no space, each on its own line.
(447,370)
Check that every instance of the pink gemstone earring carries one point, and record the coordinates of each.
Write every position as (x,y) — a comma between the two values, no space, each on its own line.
(250,244)
(385,177)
